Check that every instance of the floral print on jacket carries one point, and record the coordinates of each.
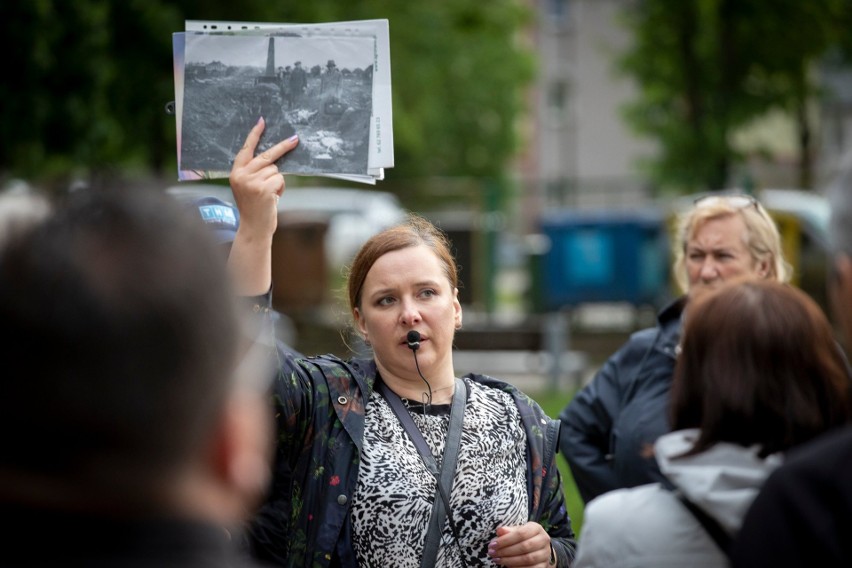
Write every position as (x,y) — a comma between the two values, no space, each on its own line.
(320,407)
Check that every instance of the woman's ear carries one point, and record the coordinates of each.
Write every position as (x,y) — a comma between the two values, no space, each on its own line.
(458,309)
(360,324)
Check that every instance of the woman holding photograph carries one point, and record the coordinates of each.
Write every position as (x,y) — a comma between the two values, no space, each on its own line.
(393,460)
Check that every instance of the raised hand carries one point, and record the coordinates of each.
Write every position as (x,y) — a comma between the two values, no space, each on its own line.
(256,184)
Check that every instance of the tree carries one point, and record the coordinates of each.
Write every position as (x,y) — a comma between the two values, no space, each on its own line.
(88,80)
(706,68)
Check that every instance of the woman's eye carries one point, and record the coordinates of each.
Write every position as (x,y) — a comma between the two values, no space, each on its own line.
(386,301)
(428,293)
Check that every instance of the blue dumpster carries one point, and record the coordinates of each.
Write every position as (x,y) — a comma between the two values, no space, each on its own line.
(605,256)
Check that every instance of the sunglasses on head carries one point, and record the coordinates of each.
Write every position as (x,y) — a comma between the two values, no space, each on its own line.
(737,201)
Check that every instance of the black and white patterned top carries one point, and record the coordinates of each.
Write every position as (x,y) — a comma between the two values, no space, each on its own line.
(393,500)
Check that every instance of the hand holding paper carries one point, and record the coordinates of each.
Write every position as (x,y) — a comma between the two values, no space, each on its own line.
(229,73)
(256,184)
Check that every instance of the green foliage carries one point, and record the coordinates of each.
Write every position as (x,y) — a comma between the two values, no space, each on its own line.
(709,67)
(87,81)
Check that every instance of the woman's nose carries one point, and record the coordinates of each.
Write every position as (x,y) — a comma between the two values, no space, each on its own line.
(410,314)
(708,270)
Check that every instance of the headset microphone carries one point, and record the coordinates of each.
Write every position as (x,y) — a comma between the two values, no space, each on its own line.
(413,339)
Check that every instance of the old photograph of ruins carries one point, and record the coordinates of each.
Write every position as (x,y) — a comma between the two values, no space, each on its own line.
(317,87)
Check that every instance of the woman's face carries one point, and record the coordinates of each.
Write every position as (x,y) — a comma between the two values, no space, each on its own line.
(717,252)
(406,290)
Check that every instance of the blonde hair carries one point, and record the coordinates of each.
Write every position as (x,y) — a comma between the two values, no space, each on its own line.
(761,236)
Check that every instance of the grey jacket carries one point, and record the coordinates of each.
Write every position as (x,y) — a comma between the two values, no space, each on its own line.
(649,526)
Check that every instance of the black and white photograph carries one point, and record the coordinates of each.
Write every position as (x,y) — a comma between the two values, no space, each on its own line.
(318,87)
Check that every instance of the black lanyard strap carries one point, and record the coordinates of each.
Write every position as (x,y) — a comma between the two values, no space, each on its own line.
(444,477)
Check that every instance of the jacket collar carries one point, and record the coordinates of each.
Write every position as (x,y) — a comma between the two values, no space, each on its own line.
(670,323)
(722,480)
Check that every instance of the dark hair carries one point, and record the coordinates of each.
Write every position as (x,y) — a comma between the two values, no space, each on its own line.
(119,337)
(758,365)
(413,232)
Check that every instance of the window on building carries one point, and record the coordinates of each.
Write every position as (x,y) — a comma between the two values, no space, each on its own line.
(558,11)
(558,96)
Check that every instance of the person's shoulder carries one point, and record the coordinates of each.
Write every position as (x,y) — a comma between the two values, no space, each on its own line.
(612,502)
(642,338)
(665,332)
(636,345)
(647,525)
(488,383)
(831,452)
(630,510)
(335,364)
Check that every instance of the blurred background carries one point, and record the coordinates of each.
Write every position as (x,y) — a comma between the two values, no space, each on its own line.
(552,139)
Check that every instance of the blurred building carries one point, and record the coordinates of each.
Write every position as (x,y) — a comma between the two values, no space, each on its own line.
(580,153)
(836,116)
(579,179)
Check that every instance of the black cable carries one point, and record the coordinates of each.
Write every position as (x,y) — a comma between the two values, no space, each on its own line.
(413,339)
(428,401)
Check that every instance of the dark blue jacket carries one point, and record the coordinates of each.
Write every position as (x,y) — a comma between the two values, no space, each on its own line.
(609,428)
(320,404)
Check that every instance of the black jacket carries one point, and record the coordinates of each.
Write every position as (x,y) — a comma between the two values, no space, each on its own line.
(803,514)
(609,428)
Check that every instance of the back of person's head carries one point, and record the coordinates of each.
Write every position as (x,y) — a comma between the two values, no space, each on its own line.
(415,231)
(761,237)
(119,341)
(758,365)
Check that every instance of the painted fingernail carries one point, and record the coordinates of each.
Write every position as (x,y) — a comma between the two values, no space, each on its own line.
(260,120)
(293,138)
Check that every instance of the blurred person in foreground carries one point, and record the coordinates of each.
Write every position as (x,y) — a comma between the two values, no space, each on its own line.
(392,460)
(759,373)
(135,429)
(803,514)
(610,426)
(222,218)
